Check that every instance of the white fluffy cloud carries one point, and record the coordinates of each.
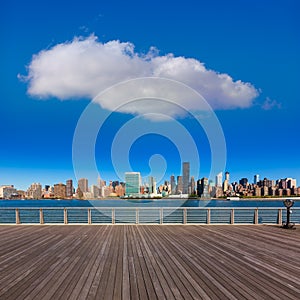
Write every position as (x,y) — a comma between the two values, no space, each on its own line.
(85,67)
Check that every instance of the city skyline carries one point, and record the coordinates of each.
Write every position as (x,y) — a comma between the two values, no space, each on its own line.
(245,54)
(135,186)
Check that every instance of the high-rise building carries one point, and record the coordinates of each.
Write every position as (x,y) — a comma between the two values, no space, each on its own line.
(69,188)
(202,188)
(83,185)
(244,182)
(7,191)
(264,191)
(199,188)
(266,182)
(185,177)
(35,191)
(101,183)
(152,185)
(272,191)
(225,185)
(219,179)
(257,191)
(282,183)
(60,190)
(120,189)
(256,179)
(173,185)
(227,177)
(193,190)
(95,191)
(132,183)
(179,186)
(115,183)
(48,191)
(79,193)
(291,183)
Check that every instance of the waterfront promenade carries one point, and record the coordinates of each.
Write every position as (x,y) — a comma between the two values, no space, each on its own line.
(149,262)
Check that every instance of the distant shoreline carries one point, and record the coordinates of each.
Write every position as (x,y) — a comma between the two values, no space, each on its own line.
(162,199)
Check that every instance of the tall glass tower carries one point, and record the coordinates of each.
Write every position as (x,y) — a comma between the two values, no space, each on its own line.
(133,183)
(185,177)
(219,179)
(152,185)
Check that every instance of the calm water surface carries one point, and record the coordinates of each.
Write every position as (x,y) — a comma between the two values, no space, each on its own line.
(144,203)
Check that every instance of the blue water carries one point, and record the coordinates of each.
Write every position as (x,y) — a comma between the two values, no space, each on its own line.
(268,211)
(143,203)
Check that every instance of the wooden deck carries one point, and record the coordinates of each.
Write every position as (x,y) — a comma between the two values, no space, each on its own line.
(149,262)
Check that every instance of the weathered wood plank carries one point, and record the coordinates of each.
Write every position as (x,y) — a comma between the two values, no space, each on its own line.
(137,266)
(88,276)
(125,271)
(149,262)
(104,253)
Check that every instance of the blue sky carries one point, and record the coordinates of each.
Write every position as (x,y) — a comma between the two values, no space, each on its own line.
(256,42)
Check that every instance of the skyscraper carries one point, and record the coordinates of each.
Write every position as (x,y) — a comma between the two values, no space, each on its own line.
(173,185)
(199,187)
(152,185)
(227,177)
(69,188)
(225,185)
(59,190)
(179,185)
(256,179)
(185,177)
(226,182)
(219,179)
(202,188)
(132,183)
(193,189)
(83,185)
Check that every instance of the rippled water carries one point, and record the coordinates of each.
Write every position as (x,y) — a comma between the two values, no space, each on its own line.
(144,203)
